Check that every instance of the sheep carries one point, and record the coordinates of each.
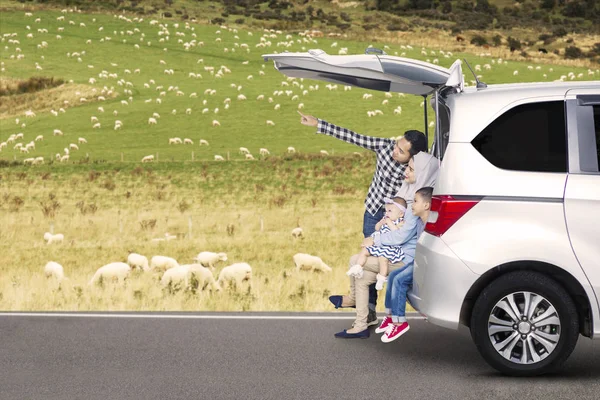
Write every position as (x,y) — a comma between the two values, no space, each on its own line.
(50,238)
(82,140)
(185,273)
(38,160)
(270,123)
(64,158)
(73,146)
(307,262)
(151,121)
(118,271)
(187,141)
(291,149)
(162,263)
(54,270)
(297,233)
(57,132)
(244,150)
(39,138)
(324,152)
(138,260)
(209,259)
(249,157)
(216,123)
(202,141)
(235,273)
(263,151)
(149,158)
(219,158)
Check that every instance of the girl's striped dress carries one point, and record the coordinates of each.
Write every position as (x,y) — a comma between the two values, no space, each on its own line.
(393,253)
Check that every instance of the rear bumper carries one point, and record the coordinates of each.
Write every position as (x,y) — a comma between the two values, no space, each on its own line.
(440,282)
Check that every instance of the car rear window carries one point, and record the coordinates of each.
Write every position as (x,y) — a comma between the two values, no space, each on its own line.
(529,137)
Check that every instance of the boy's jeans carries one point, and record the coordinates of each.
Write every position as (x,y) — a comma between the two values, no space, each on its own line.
(399,281)
(369,222)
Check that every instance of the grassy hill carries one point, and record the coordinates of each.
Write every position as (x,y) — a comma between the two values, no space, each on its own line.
(126,62)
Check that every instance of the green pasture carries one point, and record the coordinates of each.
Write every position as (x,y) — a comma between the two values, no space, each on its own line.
(243,124)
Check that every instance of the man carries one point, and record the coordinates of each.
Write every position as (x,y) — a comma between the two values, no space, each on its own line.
(392,159)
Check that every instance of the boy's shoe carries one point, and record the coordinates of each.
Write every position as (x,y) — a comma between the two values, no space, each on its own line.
(351,335)
(385,324)
(372,318)
(394,332)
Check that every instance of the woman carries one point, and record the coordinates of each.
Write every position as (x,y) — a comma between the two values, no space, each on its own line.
(422,171)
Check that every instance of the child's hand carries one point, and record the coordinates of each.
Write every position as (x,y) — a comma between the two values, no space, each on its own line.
(308,120)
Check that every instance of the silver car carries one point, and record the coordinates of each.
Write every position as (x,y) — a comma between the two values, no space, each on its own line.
(512,246)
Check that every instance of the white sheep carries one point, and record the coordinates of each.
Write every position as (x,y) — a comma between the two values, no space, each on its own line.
(202,141)
(39,138)
(149,158)
(297,232)
(324,152)
(184,273)
(209,259)
(249,157)
(263,152)
(244,150)
(118,271)
(138,260)
(219,158)
(235,273)
(54,270)
(307,262)
(291,149)
(151,121)
(188,141)
(50,238)
(82,140)
(162,263)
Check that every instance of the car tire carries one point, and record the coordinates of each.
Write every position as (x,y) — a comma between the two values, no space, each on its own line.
(489,314)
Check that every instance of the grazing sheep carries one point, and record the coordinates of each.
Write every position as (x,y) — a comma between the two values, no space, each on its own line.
(235,273)
(54,270)
(118,271)
(270,123)
(209,259)
(151,121)
(324,152)
(310,263)
(149,158)
(73,146)
(215,123)
(202,141)
(263,151)
(187,141)
(297,233)
(291,149)
(137,260)
(50,238)
(244,150)
(39,138)
(64,158)
(162,263)
(185,273)
(58,132)
(249,157)
(219,158)
(82,140)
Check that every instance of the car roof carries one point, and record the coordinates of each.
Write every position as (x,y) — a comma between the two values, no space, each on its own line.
(473,109)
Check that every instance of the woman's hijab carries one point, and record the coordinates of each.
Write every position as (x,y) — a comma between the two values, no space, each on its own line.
(426,173)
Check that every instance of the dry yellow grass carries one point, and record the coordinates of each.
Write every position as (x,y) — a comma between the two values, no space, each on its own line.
(64,96)
(332,228)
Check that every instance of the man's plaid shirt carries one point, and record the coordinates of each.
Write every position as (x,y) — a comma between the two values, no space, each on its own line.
(388,173)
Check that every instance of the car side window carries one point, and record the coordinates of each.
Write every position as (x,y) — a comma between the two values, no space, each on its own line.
(529,137)
(597,130)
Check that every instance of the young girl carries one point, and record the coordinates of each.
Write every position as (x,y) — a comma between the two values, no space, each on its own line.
(391,221)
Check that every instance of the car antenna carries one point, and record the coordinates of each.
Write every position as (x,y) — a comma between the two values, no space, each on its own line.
(480,85)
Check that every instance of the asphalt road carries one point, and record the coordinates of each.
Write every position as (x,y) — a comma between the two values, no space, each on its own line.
(203,357)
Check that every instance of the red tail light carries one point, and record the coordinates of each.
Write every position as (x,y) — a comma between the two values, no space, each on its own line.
(448,210)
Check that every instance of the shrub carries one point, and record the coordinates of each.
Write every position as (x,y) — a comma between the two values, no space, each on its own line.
(513,44)
(559,32)
(497,40)
(573,52)
(168,14)
(478,40)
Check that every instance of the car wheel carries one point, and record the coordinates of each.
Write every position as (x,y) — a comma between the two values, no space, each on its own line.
(524,324)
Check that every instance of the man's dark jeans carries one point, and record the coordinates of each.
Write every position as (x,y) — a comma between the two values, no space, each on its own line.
(369,222)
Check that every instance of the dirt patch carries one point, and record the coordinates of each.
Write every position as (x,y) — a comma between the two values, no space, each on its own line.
(66,95)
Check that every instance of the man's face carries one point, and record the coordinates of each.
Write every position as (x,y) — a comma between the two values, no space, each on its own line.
(401,152)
